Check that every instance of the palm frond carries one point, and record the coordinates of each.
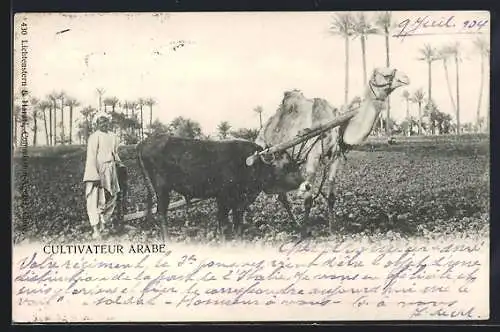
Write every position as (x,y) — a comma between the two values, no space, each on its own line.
(384,22)
(428,53)
(342,24)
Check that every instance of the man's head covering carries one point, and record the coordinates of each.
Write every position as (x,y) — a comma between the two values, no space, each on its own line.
(101,114)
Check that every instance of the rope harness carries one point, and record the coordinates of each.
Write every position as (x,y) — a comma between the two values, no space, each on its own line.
(340,149)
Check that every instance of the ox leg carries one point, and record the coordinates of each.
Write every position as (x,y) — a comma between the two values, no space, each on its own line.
(331,192)
(238,222)
(222,220)
(122,199)
(163,203)
(187,222)
(149,208)
(283,198)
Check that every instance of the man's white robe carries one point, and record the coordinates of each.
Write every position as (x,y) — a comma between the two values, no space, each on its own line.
(101,177)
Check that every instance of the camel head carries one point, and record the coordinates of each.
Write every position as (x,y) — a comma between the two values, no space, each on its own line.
(385,80)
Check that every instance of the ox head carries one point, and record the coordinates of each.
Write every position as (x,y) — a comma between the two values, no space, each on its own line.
(385,80)
(282,172)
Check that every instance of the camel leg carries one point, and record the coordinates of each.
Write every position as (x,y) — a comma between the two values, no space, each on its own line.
(334,167)
(308,203)
(311,167)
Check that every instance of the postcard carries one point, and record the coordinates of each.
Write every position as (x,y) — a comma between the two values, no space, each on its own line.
(250,166)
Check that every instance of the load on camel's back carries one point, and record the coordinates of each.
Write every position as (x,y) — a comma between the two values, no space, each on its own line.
(298,114)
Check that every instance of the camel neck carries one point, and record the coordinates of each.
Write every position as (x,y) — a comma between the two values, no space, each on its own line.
(370,101)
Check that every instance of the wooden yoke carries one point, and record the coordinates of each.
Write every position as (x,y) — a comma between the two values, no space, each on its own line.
(308,135)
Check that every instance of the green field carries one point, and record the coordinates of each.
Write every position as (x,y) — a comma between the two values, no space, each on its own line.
(416,187)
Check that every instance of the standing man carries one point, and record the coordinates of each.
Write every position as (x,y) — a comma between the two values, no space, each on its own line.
(101,177)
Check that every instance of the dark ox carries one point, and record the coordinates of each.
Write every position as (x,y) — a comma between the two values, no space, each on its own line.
(212,169)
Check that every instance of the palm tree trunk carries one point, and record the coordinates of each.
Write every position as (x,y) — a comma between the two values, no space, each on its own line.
(55,123)
(132,128)
(50,125)
(87,132)
(45,126)
(388,64)
(150,118)
(142,125)
(445,66)
(62,121)
(260,119)
(408,117)
(35,129)
(125,120)
(429,69)
(113,114)
(363,54)
(419,118)
(458,95)
(478,111)
(71,125)
(346,88)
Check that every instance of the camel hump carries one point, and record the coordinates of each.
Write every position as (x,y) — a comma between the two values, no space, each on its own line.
(320,103)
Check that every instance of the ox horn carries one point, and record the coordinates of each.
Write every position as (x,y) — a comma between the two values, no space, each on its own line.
(263,156)
(251,160)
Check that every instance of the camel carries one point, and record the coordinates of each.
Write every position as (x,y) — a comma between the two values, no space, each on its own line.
(298,114)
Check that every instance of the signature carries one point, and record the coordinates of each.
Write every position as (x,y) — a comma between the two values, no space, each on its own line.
(424,25)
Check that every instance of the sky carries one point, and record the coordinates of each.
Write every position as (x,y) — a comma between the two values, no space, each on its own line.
(232,62)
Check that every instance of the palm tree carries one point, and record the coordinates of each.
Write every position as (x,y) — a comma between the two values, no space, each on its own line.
(429,55)
(110,101)
(483,50)
(141,103)
(223,129)
(150,102)
(406,97)
(44,105)
(444,55)
(62,96)
(52,117)
(100,92)
(418,98)
(88,113)
(183,127)
(362,28)
(258,109)
(71,103)
(34,105)
(133,108)
(384,24)
(455,52)
(126,106)
(342,25)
